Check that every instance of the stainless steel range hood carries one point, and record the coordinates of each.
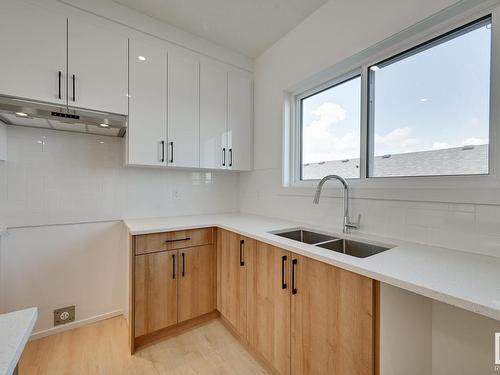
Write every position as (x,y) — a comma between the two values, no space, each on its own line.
(42,115)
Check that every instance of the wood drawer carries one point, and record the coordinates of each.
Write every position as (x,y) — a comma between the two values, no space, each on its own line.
(151,243)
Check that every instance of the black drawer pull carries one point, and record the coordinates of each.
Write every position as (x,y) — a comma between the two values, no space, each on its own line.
(294,289)
(242,255)
(74,88)
(179,239)
(59,76)
(283,282)
(183,264)
(173,266)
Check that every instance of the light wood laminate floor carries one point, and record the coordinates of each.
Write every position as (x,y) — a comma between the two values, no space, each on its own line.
(101,348)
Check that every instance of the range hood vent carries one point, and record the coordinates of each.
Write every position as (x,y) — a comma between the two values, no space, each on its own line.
(42,115)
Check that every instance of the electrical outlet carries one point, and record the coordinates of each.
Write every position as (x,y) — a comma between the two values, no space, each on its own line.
(64,315)
(175,194)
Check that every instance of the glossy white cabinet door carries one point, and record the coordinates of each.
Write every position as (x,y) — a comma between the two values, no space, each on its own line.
(183,132)
(147,125)
(33,52)
(240,121)
(97,58)
(213,121)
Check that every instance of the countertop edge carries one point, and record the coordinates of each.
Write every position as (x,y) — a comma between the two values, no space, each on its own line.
(433,293)
(9,370)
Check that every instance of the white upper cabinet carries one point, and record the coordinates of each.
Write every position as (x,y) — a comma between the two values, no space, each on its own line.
(97,67)
(33,52)
(183,111)
(213,116)
(147,125)
(240,120)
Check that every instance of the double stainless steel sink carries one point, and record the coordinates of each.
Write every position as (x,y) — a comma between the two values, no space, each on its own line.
(325,241)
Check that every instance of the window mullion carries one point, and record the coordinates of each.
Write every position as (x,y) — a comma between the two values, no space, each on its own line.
(364,124)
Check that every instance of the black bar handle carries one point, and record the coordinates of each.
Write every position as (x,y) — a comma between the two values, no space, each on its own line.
(283,281)
(224,157)
(183,264)
(59,75)
(171,152)
(74,88)
(179,239)
(162,151)
(173,266)
(294,289)
(230,157)
(242,256)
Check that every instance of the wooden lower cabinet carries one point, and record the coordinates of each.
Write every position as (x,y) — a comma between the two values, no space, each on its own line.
(300,315)
(333,317)
(268,305)
(170,288)
(155,285)
(197,293)
(232,262)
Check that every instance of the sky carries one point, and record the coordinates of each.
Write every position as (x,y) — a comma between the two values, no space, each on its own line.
(436,99)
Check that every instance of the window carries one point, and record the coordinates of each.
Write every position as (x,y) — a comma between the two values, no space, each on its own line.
(421,112)
(429,107)
(330,131)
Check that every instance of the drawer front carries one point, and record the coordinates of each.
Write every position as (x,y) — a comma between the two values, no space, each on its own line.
(151,243)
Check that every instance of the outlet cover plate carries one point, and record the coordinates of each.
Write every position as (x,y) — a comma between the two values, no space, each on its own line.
(64,315)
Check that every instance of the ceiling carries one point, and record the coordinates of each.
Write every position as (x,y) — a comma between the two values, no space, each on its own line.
(245,26)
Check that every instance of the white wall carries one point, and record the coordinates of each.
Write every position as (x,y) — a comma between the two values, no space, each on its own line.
(416,332)
(54,178)
(324,39)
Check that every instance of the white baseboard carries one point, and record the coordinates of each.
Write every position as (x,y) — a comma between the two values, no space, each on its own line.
(76,324)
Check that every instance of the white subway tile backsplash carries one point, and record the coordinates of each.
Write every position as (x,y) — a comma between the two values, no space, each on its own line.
(73,177)
(467,227)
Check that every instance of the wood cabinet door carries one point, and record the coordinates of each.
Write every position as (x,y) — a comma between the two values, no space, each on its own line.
(268,304)
(196,281)
(332,319)
(98,60)
(155,286)
(233,278)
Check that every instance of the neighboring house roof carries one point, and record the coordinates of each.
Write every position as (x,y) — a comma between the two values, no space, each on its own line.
(451,161)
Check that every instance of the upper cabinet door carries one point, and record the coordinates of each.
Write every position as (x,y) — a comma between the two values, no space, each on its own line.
(240,122)
(213,119)
(147,126)
(97,67)
(33,57)
(183,111)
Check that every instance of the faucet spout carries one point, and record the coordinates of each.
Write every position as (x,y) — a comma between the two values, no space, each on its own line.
(347,224)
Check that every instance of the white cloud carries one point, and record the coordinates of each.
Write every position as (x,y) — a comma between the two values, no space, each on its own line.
(329,113)
(397,141)
(474,141)
(319,142)
(465,142)
(441,145)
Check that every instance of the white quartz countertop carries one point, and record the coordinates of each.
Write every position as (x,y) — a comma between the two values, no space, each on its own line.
(466,280)
(15,330)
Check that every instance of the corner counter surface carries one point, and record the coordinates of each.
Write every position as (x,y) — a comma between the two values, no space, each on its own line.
(15,330)
(466,280)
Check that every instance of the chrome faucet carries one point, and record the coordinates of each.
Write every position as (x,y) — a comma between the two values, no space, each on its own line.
(348,224)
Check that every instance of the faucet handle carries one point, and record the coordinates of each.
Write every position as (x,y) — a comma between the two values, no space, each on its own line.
(354,225)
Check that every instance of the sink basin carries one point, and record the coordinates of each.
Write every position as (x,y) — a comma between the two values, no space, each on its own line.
(305,236)
(325,241)
(353,248)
